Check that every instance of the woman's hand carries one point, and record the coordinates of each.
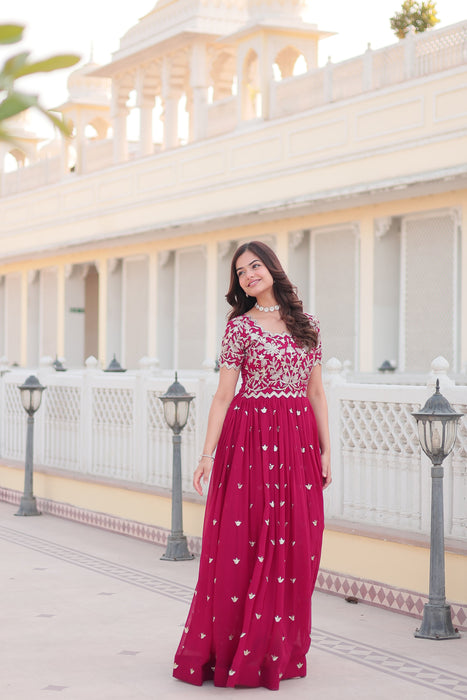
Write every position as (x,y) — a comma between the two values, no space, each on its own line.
(202,473)
(326,469)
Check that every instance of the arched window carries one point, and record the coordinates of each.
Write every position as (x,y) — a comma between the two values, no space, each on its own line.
(289,61)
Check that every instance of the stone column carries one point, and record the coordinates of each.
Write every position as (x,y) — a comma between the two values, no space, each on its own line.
(463,276)
(366,294)
(61,311)
(211,306)
(282,248)
(170,102)
(3,152)
(265,76)
(198,79)
(145,102)
(80,143)
(64,156)
(120,112)
(101,267)
(24,318)
(152,304)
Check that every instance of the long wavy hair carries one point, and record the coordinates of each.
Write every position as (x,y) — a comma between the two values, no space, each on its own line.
(291,308)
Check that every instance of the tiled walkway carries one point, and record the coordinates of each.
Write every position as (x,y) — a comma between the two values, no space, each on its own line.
(87,614)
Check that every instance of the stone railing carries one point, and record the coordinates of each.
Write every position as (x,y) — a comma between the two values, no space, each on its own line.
(112,426)
(414,57)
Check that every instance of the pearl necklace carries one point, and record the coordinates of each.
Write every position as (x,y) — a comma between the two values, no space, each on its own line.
(267,308)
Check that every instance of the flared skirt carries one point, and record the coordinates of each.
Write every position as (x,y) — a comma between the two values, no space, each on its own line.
(250,619)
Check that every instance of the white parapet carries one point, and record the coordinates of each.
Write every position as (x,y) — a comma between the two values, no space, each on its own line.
(112,426)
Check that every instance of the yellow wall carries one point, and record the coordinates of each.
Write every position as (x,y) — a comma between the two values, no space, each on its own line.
(141,506)
(401,565)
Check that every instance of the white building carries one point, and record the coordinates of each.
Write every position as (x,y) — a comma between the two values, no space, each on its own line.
(120,242)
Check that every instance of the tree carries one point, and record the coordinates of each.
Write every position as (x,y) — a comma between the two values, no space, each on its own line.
(419,15)
(14,101)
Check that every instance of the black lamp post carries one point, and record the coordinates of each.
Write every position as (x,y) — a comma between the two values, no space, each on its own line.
(437,429)
(176,408)
(31,396)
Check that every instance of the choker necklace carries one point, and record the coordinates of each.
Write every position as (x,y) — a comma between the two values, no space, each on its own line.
(267,308)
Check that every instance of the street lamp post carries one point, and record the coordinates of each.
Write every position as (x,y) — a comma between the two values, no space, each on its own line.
(437,429)
(31,396)
(176,403)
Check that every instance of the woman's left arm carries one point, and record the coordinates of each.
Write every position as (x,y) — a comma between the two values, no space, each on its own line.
(317,398)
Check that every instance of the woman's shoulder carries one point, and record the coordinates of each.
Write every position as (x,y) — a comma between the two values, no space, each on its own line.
(313,320)
(238,322)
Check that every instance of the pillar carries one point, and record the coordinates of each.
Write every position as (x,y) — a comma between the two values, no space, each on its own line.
(80,141)
(102,270)
(152,305)
(145,103)
(463,278)
(120,94)
(198,122)
(64,156)
(265,76)
(170,102)
(211,306)
(366,284)
(61,311)
(282,248)
(24,319)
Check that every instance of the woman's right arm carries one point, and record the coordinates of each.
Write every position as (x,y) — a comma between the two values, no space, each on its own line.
(220,403)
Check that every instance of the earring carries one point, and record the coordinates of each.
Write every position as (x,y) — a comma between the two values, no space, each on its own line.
(246,294)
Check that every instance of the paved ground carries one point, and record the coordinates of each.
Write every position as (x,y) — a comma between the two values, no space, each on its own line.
(87,614)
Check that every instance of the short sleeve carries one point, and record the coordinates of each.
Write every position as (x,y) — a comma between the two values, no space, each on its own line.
(318,350)
(233,345)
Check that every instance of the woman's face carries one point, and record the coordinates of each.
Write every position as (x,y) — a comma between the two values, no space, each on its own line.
(253,275)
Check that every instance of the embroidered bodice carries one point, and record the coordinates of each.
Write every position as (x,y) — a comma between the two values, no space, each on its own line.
(271,364)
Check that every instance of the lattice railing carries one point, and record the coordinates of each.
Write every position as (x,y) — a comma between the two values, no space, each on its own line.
(61,423)
(114,427)
(379,427)
(381,463)
(384,478)
(441,50)
(112,432)
(14,421)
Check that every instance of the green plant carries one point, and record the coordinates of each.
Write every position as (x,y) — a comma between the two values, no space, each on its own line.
(419,15)
(14,101)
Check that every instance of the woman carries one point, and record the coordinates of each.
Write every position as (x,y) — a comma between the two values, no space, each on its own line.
(250,620)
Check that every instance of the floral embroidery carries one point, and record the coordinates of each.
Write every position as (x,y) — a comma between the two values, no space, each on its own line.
(265,359)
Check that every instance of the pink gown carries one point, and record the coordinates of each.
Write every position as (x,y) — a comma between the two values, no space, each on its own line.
(250,619)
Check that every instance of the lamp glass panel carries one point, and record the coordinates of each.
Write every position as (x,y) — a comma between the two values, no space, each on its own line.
(436,437)
(36,396)
(26,399)
(430,434)
(182,412)
(170,412)
(450,431)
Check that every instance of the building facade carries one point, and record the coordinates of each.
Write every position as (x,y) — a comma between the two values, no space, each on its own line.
(213,125)
(119,243)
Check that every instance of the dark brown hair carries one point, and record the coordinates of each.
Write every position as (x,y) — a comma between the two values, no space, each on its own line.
(291,308)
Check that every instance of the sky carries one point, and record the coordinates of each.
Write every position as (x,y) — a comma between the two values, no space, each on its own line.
(55,26)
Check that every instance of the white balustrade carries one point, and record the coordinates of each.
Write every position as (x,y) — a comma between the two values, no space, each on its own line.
(413,57)
(112,426)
